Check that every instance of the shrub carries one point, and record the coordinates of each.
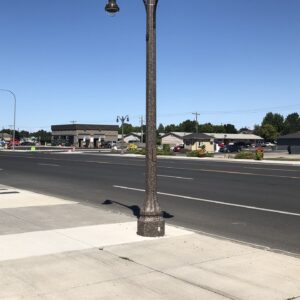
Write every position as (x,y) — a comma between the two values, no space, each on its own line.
(207,154)
(259,153)
(166,150)
(245,155)
(142,151)
(132,147)
(193,153)
(199,153)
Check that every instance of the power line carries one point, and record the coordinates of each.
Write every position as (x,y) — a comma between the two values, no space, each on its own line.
(250,110)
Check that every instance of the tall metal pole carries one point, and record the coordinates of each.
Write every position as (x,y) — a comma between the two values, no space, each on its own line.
(122,147)
(151,222)
(15,104)
(122,119)
(142,133)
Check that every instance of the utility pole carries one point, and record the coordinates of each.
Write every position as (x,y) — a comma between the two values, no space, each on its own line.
(73,122)
(196,114)
(142,130)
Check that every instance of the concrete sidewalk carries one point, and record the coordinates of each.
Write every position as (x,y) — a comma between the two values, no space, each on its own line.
(51,248)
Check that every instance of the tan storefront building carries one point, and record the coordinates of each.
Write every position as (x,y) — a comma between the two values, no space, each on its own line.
(84,135)
(196,141)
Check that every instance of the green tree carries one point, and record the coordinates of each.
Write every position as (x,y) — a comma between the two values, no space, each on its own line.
(256,129)
(171,128)
(219,129)
(229,128)
(42,136)
(126,127)
(161,128)
(208,127)
(24,134)
(187,126)
(243,129)
(291,123)
(268,132)
(276,120)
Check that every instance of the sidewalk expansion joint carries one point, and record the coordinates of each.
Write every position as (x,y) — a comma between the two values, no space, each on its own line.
(293,298)
(204,287)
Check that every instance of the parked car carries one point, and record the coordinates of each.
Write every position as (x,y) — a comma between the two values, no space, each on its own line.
(230,148)
(11,143)
(178,148)
(268,144)
(243,144)
(27,144)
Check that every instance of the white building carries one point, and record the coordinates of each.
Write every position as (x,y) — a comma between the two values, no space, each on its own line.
(173,138)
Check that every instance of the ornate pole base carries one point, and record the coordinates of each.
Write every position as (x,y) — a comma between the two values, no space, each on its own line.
(151,225)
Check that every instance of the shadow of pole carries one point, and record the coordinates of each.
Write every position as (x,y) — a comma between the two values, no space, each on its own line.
(136,210)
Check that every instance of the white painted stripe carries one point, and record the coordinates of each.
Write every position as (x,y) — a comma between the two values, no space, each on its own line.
(177,177)
(231,172)
(214,201)
(50,165)
(272,169)
(97,162)
(16,246)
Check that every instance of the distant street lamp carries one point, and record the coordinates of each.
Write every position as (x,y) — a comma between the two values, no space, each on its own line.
(15,104)
(150,222)
(122,119)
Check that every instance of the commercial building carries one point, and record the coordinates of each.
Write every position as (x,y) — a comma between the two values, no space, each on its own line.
(228,138)
(84,135)
(196,141)
(6,137)
(173,138)
(177,138)
(290,142)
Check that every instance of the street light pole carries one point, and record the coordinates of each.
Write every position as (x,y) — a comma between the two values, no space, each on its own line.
(15,104)
(150,222)
(122,119)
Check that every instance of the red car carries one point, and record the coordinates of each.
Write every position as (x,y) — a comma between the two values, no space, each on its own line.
(16,143)
(178,148)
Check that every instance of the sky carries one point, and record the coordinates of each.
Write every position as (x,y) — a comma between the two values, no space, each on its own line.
(231,61)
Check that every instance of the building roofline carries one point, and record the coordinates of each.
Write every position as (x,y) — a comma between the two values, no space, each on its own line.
(66,127)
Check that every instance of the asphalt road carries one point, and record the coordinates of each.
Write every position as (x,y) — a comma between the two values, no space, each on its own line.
(258,204)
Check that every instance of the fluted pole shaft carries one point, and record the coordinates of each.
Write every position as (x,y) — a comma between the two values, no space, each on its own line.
(151,222)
